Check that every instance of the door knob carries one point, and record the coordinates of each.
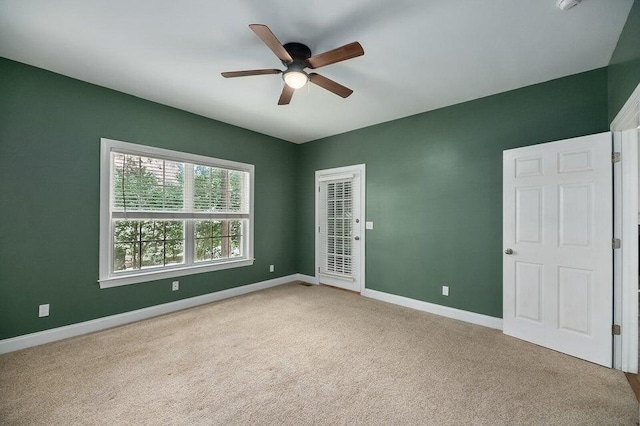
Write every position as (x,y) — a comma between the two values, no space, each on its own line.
(356,238)
(508,251)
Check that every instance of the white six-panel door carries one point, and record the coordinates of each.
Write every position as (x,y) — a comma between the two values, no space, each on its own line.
(557,231)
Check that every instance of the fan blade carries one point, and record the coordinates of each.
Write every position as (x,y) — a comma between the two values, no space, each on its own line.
(285,97)
(330,85)
(343,53)
(230,74)
(271,41)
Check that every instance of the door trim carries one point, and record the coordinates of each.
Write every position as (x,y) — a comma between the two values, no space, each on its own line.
(627,117)
(356,168)
(625,287)
(626,267)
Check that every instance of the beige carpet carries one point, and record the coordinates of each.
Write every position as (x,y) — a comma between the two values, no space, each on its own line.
(306,355)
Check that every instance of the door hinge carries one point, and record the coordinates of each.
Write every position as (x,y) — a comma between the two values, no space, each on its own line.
(615,157)
(318,269)
(615,329)
(615,243)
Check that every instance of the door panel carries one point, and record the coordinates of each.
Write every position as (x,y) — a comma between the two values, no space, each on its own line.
(574,297)
(529,215)
(557,288)
(576,161)
(575,216)
(528,291)
(531,166)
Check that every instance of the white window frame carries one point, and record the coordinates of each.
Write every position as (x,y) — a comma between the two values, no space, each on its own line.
(107,278)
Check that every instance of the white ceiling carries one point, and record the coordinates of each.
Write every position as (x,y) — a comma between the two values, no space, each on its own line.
(419,55)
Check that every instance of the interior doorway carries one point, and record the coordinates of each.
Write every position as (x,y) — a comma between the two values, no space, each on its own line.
(340,205)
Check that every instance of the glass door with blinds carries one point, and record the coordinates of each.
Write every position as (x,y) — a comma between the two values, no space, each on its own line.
(340,241)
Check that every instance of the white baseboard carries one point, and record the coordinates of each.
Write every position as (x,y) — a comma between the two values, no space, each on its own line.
(47,336)
(445,311)
(307,279)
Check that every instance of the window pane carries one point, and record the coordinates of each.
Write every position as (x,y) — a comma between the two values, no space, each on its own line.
(207,188)
(216,248)
(152,254)
(151,231)
(208,241)
(218,239)
(148,243)
(236,187)
(203,249)
(207,228)
(126,245)
(236,246)
(174,242)
(208,249)
(126,256)
(143,183)
(236,227)
(235,231)
(219,190)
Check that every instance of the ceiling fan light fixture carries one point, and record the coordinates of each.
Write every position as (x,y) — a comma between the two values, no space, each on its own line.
(295,78)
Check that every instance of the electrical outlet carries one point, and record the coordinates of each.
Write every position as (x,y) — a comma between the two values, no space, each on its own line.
(271,268)
(43,310)
(445,290)
(368,225)
(175,285)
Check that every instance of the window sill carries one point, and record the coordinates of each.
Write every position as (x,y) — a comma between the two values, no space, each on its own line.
(118,280)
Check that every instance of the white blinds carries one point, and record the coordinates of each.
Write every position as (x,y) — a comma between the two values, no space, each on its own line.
(336,228)
(219,190)
(153,187)
(146,184)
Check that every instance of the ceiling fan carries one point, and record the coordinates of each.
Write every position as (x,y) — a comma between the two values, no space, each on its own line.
(296,57)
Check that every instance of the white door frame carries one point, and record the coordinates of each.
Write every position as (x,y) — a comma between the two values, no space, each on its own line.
(625,283)
(356,168)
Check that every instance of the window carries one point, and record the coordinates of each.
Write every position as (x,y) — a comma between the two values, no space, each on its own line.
(166,214)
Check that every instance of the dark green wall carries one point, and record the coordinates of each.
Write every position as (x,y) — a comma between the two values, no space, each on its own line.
(50,130)
(624,67)
(434,187)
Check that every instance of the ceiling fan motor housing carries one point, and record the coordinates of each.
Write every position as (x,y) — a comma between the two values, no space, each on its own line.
(298,51)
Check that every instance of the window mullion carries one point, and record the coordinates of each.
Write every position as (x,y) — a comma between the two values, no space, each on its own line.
(108,261)
(189,240)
